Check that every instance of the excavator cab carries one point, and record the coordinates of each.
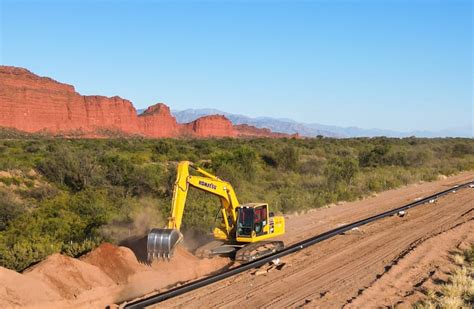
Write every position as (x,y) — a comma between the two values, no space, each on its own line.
(256,223)
(252,220)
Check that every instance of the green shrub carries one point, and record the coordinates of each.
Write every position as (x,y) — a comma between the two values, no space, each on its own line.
(288,158)
(462,149)
(27,252)
(76,249)
(75,169)
(341,170)
(10,209)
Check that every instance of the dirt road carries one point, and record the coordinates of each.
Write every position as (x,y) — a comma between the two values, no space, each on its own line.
(381,264)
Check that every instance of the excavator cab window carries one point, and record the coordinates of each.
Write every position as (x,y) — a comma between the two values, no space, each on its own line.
(245,221)
(251,220)
(260,219)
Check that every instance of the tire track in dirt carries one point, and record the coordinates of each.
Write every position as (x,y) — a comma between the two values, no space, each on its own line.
(354,269)
(413,246)
(426,265)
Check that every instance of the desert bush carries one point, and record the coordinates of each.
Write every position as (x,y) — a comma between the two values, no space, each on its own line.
(462,149)
(293,201)
(76,249)
(26,252)
(241,163)
(74,169)
(164,147)
(341,170)
(40,192)
(288,157)
(374,157)
(10,209)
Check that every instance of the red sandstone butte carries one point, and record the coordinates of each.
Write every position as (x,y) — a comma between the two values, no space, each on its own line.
(157,121)
(211,126)
(31,103)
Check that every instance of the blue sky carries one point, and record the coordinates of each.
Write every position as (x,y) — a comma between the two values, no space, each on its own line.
(401,65)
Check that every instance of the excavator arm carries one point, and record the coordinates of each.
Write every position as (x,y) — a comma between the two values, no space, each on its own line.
(162,242)
(206,182)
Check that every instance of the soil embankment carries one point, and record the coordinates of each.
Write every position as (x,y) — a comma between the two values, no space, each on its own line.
(106,275)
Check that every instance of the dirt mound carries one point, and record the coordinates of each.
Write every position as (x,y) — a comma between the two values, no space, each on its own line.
(17,290)
(185,266)
(117,262)
(181,268)
(68,276)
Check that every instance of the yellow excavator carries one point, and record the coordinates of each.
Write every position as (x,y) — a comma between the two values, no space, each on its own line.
(244,229)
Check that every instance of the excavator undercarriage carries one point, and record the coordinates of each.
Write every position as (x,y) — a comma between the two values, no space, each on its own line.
(240,253)
(254,251)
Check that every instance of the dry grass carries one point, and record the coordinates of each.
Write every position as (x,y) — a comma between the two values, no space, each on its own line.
(458,292)
(459,259)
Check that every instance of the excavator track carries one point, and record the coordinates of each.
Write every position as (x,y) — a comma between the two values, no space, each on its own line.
(206,251)
(257,250)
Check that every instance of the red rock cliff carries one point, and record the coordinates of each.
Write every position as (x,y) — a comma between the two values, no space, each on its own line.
(157,121)
(31,103)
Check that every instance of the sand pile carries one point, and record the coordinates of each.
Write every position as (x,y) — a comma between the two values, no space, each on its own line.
(185,265)
(106,275)
(117,262)
(68,276)
(17,290)
(181,268)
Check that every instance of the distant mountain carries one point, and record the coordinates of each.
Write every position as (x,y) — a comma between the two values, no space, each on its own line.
(289,126)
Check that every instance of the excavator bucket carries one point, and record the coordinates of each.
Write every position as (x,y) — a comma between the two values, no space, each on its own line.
(162,242)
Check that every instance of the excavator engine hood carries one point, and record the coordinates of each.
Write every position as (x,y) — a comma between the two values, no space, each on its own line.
(161,243)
